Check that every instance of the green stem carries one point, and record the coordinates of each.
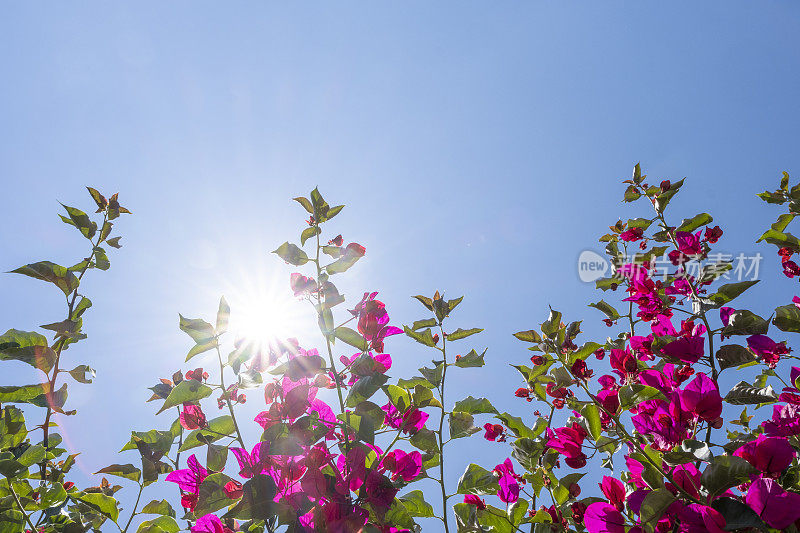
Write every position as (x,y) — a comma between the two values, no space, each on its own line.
(135,505)
(19,504)
(227,398)
(440,432)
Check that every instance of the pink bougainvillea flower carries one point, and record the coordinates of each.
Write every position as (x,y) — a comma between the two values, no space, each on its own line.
(614,491)
(701,397)
(725,314)
(568,441)
(785,421)
(380,491)
(623,362)
(253,463)
(405,466)
(492,431)
(769,350)
(471,499)
(771,455)
(689,243)
(697,518)
(771,502)
(509,482)
(189,479)
(687,349)
(210,523)
(233,489)
(373,321)
(713,234)
(601,517)
(192,417)
(632,234)
(410,422)
(687,477)
(302,285)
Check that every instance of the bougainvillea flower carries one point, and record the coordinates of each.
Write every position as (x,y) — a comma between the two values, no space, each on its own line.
(210,523)
(687,349)
(373,320)
(701,397)
(623,362)
(192,417)
(725,314)
(713,234)
(697,518)
(769,350)
(492,431)
(689,243)
(601,517)
(410,422)
(253,463)
(568,441)
(233,489)
(687,477)
(509,488)
(405,466)
(189,479)
(614,491)
(771,455)
(771,502)
(379,490)
(785,421)
(632,234)
(471,499)
(302,285)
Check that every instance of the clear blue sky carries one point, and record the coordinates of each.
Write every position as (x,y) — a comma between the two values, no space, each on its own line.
(479,148)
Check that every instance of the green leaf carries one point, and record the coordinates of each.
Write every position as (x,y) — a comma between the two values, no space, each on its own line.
(631,194)
(425,337)
(592,415)
(744,322)
(291,254)
(101,259)
(257,499)
(472,359)
(425,440)
(635,393)
(161,524)
(462,333)
(516,425)
(427,323)
(474,405)
(691,224)
(309,232)
(729,291)
(345,261)
(106,505)
(21,393)
(434,375)
(197,349)
(216,429)
(81,221)
(787,318)
(216,457)
(201,331)
(128,471)
(732,355)
(364,388)
(28,347)
(161,507)
(653,506)
(415,504)
(306,204)
(745,394)
(725,472)
(477,480)
(351,337)
(738,516)
(607,309)
(223,315)
(781,240)
(528,336)
(461,425)
(60,276)
(52,495)
(82,373)
(188,390)
(211,495)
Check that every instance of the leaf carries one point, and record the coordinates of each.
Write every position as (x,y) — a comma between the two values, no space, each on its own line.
(592,415)
(725,472)
(477,480)
(81,221)
(98,198)
(27,346)
(197,349)
(21,393)
(53,495)
(60,276)
(114,242)
(427,323)
(425,440)
(635,393)
(106,505)
(606,309)
(161,524)
(415,504)
(516,425)
(745,394)
(462,333)
(188,390)
(461,425)
(745,322)
(474,405)
(787,318)
(291,254)
(127,471)
(305,203)
(223,315)
(351,337)
(528,336)
(653,506)
(257,499)
(732,355)
(211,495)
(729,291)
(434,375)
(201,331)
(424,300)
(217,428)
(161,507)
(737,515)
(364,388)
(82,373)
(216,457)
(691,224)
(781,240)
(309,232)
(101,259)
(472,359)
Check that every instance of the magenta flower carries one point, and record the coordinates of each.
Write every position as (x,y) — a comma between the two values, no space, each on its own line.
(601,517)
(302,285)
(725,314)
(410,422)
(701,397)
(568,441)
(189,479)
(405,466)
(769,350)
(253,463)
(471,499)
(509,482)
(614,491)
(687,477)
(373,320)
(492,431)
(209,523)
(632,234)
(696,518)
(785,421)
(771,455)
(776,506)
(687,349)
(688,243)
(192,417)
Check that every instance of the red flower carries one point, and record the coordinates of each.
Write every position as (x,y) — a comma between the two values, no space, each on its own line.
(192,417)
(233,490)
(471,499)
(493,431)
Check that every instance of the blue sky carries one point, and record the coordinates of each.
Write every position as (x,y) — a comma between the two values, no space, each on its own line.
(479,150)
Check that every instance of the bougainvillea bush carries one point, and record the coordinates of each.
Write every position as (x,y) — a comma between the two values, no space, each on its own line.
(346,447)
